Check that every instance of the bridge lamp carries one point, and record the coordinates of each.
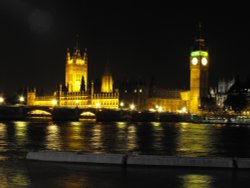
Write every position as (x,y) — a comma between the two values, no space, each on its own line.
(97,105)
(54,102)
(21,99)
(1,100)
(122,104)
(132,107)
(77,102)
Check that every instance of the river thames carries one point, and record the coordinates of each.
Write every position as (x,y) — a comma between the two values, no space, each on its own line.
(173,139)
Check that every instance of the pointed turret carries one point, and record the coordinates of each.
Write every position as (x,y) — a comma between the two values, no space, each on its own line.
(107,80)
(85,56)
(200,40)
(68,55)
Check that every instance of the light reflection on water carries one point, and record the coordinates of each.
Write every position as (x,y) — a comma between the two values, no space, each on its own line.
(193,140)
(13,176)
(196,181)
(131,138)
(53,138)
(183,139)
(2,141)
(96,138)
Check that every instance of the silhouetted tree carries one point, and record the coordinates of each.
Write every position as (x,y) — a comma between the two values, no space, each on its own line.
(83,84)
(236,98)
(237,101)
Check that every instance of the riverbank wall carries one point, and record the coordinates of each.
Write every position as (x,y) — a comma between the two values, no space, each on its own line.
(140,160)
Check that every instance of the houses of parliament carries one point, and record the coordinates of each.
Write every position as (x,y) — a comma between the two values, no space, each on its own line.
(77,92)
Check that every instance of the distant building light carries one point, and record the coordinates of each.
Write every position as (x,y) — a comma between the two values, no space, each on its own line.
(135,91)
(125,91)
(140,90)
(97,105)
(77,102)
(182,110)
(54,102)
(160,109)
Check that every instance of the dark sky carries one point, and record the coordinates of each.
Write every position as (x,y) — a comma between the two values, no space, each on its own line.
(137,42)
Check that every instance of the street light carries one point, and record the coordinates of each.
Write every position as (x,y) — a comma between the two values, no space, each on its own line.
(132,106)
(97,105)
(54,102)
(122,104)
(1,100)
(21,99)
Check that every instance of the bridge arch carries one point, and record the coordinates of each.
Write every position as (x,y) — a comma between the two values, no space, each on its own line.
(39,113)
(87,115)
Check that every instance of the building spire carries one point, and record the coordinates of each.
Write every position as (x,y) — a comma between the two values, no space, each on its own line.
(199,40)
(107,67)
(77,42)
(68,55)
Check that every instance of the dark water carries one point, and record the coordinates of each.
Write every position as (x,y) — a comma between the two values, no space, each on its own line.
(178,139)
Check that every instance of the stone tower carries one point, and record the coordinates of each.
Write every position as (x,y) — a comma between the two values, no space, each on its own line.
(76,70)
(107,81)
(199,64)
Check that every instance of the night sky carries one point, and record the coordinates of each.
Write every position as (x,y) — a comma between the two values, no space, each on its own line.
(138,43)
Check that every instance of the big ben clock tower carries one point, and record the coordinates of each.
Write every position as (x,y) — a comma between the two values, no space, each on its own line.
(199,64)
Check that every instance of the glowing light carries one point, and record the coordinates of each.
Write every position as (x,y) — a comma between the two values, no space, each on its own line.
(97,105)
(195,61)
(151,109)
(54,102)
(199,53)
(132,106)
(1,100)
(183,110)
(204,61)
(160,109)
(21,99)
(77,102)
(122,104)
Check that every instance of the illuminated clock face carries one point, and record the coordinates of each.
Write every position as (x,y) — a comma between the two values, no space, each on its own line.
(195,61)
(204,61)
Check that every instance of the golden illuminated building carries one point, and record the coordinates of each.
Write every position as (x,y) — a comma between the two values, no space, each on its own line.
(76,73)
(198,76)
(107,81)
(77,92)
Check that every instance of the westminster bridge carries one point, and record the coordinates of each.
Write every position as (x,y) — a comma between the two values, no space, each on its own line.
(23,112)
